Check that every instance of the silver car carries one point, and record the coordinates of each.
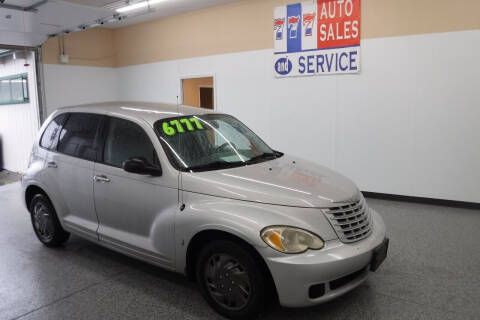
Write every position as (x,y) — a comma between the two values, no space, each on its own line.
(199,193)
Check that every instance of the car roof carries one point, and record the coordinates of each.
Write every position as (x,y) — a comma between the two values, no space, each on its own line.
(149,111)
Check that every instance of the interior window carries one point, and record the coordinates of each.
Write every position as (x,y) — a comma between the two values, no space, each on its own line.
(126,140)
(77,137)
(50,135)
(14,89)
(198,92)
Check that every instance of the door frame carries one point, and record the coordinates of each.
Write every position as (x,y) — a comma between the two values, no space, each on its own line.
(37,51)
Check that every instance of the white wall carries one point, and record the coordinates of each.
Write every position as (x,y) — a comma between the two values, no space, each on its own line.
(19,122)
(407,124)
(70,85)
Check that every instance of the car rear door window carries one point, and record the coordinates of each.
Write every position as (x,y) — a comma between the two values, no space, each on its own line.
(126,140)
(77,137)
(50,135)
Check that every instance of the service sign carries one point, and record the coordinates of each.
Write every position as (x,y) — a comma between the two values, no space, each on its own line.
(317,37)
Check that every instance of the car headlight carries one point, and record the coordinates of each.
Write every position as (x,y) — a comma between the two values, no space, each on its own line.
(290,239)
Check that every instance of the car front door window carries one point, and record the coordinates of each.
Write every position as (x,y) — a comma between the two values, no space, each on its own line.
(126,140)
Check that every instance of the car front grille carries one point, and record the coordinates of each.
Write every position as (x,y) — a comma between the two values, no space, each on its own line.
(351,221)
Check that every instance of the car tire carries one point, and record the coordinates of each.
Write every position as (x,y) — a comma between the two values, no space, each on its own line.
(45,222)
(230,280)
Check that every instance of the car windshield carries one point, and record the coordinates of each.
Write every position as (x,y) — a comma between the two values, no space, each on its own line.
(211,142)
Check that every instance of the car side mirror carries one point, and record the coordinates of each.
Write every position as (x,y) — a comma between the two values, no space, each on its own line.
(139,165)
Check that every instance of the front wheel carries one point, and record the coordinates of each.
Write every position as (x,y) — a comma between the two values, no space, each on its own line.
(230,280)
(45,222)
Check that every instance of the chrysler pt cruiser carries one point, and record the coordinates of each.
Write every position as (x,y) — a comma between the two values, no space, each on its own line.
(199,193)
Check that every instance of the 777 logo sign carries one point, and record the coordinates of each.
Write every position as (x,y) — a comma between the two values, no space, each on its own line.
(308,22)
(293,26)
(278,25)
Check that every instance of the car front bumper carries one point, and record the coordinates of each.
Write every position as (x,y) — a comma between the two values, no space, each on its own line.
(314,277)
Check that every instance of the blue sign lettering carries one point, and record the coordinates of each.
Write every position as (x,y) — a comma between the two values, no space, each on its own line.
(301,63)
(310,64)
(343,67)
(283,66)
(353,59)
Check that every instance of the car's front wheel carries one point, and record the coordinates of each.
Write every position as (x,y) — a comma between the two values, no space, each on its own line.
(45,222)
(230,280)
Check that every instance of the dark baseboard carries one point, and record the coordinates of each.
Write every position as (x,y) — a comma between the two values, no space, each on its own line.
(438,202)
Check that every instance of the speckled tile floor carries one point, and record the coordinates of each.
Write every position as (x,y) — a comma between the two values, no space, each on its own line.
(7,177)
(432,272)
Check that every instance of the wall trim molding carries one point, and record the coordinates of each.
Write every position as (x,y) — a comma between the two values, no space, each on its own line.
(423,200)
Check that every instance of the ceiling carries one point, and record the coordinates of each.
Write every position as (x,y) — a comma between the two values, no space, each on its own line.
(57,16)
(93,3)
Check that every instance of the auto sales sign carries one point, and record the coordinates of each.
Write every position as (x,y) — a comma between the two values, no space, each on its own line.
(317,37)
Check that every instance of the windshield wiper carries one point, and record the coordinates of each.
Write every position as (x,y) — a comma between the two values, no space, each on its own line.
(265,155)
(216,165)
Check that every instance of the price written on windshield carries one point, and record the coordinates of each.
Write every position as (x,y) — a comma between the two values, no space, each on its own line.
(181,125)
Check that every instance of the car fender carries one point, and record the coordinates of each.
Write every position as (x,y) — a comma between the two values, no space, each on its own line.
(243,219)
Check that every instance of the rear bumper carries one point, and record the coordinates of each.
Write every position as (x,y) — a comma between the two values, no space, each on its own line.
(314,277)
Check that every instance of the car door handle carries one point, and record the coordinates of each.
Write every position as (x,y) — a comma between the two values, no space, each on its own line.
(101,178)
(51,164)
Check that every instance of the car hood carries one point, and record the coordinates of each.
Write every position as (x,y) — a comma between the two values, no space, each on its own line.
(287,181)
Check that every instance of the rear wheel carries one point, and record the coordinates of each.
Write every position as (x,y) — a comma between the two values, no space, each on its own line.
(230,280)
(45,222)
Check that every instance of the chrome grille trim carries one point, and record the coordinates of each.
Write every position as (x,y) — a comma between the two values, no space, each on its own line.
(356,213)
(353,206)
(352,221)
(364,223)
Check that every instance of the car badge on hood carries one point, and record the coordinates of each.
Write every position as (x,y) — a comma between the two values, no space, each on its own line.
(355,198)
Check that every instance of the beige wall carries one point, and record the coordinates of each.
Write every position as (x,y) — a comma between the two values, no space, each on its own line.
(191,90)
(93,47)
(388,18)
(223,29)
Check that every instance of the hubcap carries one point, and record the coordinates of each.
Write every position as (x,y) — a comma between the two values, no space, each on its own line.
(227,281)
(42,221)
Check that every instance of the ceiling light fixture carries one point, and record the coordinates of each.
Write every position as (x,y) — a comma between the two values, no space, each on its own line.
(138,5)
